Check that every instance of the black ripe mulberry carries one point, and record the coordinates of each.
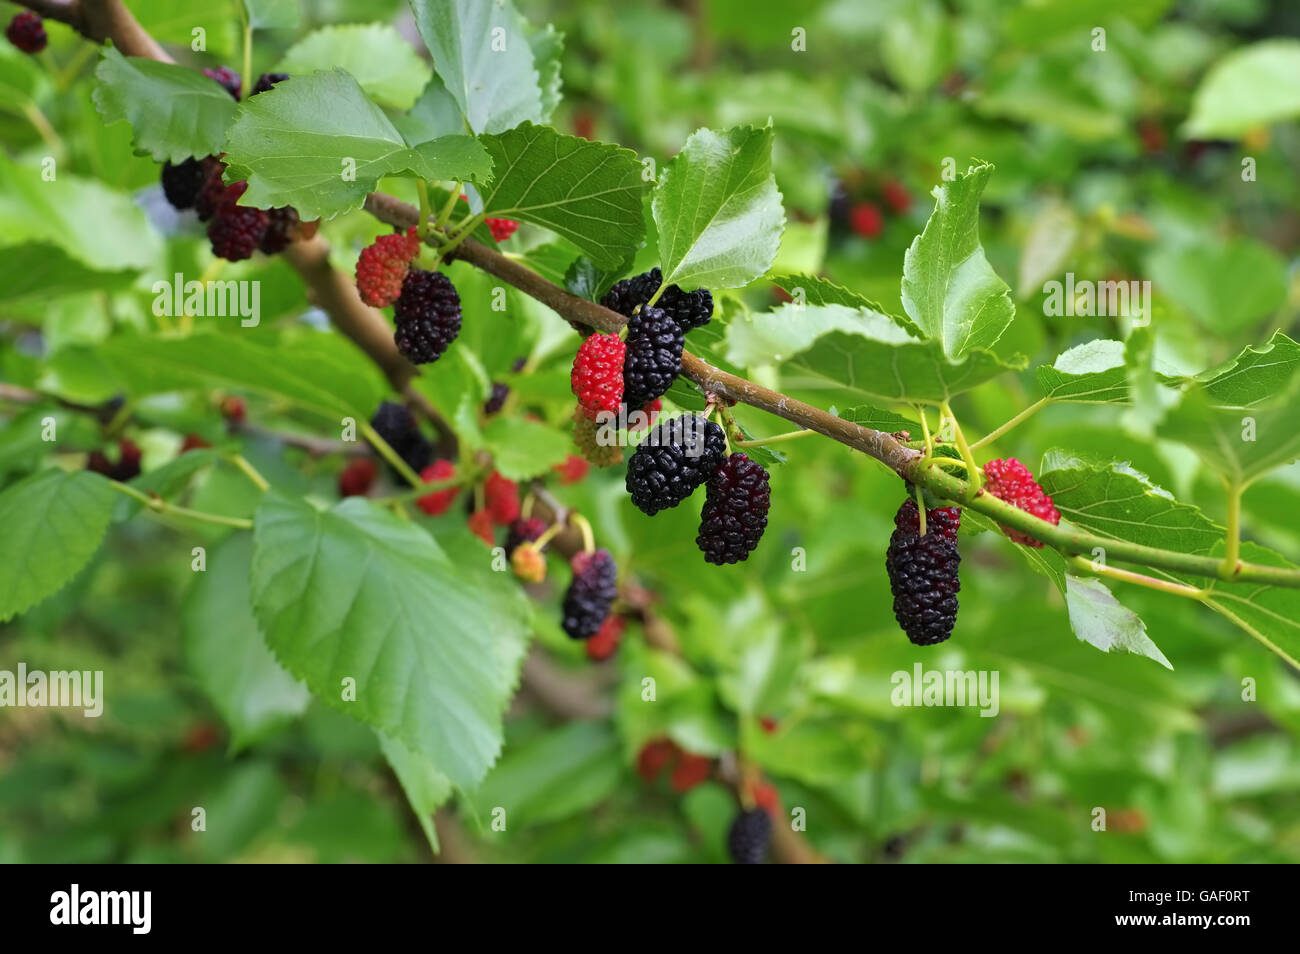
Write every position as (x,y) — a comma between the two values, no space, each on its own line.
(266,81)
(280,225)
(226,78)
(428,316)
(590,594)
(653,358)
(236,231)
(497,399)
(749,837)
(523,530)
(688,309)
(26,31)
(181,182)
(923,573)
(735,510)
(396,425)
(675,458)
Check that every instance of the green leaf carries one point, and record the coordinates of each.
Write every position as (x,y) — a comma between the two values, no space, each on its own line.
(812,290)
(557,775)
(949,288)
(1114,500)
(70,213)
(588,280)
(718,210)
(485,59)
(522,448)
(426,788)
(431,644)
(377,56)
(1255,375)
(317,143)
(1271,614)
(857,354)
(165,481)
(1090,373)
(1102,621)
(1240,443)
(548,49)
(225,651)
(273,14)
(175,112)
(53,524)
(587,192)
(1227,286)
(434,115)
(1251,86)
(313,381)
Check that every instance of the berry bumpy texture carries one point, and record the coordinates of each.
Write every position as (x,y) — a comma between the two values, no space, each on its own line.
(603,645)
(1011,481)
(428,316)
(688,309)
(597,376)
(586,434)
(280,225)
(236,231)
(674,459)
(214,195)
(127,466)
(749,837)
(181,182)
(944,520)
(501,229)
(654,355)
(383,266)
(497,399)
(590,594)
(501,496)
(27,32)
(923,574)
(735,510)
(396,425)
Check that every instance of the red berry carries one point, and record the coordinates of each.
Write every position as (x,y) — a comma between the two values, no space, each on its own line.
(654,757)
(896,196)
(767,798)
(480,522)
(597,377)
(232,409)
(27,32)
(383,265)
(439,501)
(584,124)
(690,771)
(601,646)
(768,724)
(236,231)
(200,738)
(193,442)
(1152,135)
(866,220)
(357,477)
(502,498)
(573,469)
(1011,481)
(226,78)
(502,229)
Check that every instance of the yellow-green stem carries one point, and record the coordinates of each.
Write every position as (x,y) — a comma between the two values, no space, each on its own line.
(1232,542)
(445,213)
(426,209)
(1018,419)
(390,455)
(158,505)
(973,473)
(775,439)
(250,472)
(1140,579)
(920,508)
(588,538)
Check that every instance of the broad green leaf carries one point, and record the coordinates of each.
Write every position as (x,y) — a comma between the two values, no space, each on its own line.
(718,210)
(548,49)
(1251,86)
(314,382)
(812,290)
(70,213)
(1090,373)
(1240,443)
(556,775)
(426,788)
(485,59)
(377,56)
(176,112)
(1254,376)
(320,145)
(434,115)
(1100,620)
(53,524)
(522,448)
(857,354)
(588,280)
(949,288)
(356,596)
(226,654)
(1271,614)
(273,14)
(1227,286)
(1114,500)
(45,271)
(587,192)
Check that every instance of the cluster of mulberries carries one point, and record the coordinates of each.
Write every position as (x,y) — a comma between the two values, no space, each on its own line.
(612,372)
(860,201)
(426,305)
(235,231)
(590,595)
(126,467)
(397,426)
